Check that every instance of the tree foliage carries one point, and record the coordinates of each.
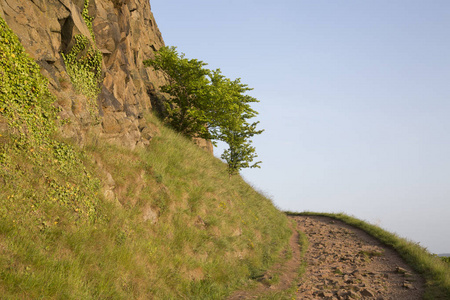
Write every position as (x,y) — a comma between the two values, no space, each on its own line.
(205,104)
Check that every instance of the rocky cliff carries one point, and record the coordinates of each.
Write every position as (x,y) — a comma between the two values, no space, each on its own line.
(124,31)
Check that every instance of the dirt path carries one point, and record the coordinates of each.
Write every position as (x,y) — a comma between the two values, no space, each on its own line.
(347,263)
(343,262)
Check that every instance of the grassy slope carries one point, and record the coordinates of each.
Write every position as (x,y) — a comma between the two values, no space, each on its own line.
(59,238)
(435,271)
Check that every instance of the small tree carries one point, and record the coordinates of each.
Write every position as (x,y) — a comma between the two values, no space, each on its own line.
(206,104)
(233,127)
(240,153)
(187,106)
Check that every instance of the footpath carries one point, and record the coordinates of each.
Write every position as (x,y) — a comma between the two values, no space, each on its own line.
(342,263)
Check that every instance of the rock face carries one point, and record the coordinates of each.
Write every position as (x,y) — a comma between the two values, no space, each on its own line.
(126,34)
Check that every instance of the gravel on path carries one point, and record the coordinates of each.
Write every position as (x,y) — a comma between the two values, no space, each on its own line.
(346,263)
(343,263)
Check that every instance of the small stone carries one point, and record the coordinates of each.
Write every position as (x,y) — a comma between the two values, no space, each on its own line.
(367,293)
(407,275)
(401,270)
(407,285)
(337,271)
(350,281)
(325,294)
(353,295)
(354,287)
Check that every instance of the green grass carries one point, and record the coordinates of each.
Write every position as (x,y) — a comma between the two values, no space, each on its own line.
(289,293)
(435,271)
(209,226)
(211,236)
(60,238)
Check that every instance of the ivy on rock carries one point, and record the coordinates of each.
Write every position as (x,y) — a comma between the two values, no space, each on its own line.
(84,64)
(30,147)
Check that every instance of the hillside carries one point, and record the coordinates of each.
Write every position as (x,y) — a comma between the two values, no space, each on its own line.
(98,199)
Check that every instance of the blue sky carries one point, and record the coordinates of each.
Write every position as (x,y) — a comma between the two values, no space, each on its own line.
(354,99)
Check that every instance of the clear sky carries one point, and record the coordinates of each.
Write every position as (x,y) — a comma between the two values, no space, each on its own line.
(354,99)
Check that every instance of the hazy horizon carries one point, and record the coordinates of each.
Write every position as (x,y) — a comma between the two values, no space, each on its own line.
(354,102)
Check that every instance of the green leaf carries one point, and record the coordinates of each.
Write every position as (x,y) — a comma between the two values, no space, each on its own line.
(205,104)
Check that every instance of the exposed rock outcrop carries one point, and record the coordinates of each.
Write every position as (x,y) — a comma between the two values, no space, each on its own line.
(125,33)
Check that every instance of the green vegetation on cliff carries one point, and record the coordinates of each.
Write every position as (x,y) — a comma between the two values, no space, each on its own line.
(84,64)
(29,145)
(161,222)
